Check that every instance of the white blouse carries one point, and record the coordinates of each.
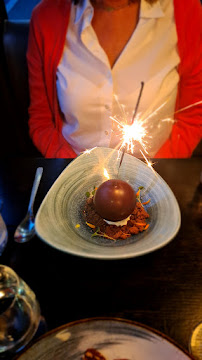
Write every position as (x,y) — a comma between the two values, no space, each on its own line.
(90,92)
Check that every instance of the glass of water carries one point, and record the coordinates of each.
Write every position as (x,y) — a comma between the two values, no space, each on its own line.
(19,312)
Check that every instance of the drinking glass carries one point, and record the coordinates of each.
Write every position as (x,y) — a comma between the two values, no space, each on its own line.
(195,343)
(19,312)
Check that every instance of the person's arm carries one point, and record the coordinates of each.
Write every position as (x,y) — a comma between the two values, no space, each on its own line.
(187,130)
(45,135)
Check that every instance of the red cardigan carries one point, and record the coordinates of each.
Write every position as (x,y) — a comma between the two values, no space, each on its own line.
(48,27)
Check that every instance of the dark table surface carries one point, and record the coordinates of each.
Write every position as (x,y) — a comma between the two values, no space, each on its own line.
(162,290)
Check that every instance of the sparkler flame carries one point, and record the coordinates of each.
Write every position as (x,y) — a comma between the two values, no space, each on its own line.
(133,136)
(132,133)
(106,174)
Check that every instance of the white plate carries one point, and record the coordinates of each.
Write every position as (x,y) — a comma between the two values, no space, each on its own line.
(61,209)
(113,338)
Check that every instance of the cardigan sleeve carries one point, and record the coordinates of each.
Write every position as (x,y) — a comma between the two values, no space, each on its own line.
(187,129)
(45,135)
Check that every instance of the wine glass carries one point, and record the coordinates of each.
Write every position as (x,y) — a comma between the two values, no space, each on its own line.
(19,312)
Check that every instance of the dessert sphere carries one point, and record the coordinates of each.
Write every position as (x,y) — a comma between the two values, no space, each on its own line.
(114,200)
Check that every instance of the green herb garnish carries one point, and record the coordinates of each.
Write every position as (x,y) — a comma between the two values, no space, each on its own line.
(91,193)
(100,233)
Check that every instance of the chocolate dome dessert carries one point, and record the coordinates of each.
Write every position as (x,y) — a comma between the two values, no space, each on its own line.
(114,200)
(114,210)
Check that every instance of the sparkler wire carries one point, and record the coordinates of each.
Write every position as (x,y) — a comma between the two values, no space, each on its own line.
(138,101)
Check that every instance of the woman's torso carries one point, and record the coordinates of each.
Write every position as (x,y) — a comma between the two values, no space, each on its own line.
(95,85)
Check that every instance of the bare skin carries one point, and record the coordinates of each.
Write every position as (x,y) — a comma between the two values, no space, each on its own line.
(114,28)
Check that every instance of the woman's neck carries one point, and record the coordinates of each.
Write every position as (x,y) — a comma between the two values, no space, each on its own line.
(114,28)
(112,5)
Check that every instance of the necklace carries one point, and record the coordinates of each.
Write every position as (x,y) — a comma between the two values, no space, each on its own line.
(103,6)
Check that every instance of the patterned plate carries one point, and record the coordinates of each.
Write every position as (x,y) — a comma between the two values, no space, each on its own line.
(59,221)
(113,338)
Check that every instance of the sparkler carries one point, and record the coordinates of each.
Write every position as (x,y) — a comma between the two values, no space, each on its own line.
(138,130)
(128,128)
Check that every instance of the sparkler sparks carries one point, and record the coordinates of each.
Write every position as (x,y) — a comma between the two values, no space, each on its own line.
(149,163)
(135,130)
(134,136)
(88,151)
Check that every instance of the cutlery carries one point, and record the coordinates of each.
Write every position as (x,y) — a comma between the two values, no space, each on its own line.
(26,229)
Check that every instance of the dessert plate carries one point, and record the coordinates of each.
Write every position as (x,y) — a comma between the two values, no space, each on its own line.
(113,338)
(60,223)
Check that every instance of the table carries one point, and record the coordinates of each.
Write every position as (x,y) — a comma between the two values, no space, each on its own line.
(162,289)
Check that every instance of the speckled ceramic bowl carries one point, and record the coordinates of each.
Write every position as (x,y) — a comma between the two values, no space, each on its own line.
(61,210)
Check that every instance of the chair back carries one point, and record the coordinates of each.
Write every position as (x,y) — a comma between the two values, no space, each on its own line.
(15,42)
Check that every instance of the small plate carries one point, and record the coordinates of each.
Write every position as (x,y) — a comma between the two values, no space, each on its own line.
(60,213)
(113,338)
